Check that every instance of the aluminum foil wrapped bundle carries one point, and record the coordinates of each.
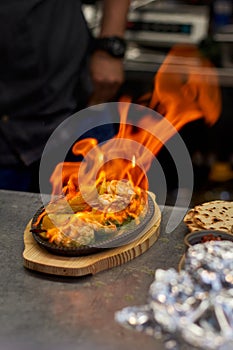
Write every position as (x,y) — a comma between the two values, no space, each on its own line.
(194,305)
(211,264)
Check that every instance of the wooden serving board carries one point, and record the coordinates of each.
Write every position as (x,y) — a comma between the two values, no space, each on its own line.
(38,259)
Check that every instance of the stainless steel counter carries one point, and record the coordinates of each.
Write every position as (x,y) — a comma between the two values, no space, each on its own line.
(39,311)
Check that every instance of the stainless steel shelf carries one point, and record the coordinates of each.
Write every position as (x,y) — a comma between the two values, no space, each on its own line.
(140,60)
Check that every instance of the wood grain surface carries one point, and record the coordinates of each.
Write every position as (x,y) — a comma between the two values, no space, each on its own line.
(38,259)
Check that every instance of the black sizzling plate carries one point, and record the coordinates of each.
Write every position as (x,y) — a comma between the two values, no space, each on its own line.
(114,241)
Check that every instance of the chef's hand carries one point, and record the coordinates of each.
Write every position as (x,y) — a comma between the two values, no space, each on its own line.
(107,74)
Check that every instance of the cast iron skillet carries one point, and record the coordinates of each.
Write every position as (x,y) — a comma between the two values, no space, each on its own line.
(99,245)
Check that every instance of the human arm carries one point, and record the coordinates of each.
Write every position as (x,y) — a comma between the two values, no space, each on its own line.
(107,72)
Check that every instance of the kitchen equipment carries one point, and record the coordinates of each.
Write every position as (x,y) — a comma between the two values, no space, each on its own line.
(164,23)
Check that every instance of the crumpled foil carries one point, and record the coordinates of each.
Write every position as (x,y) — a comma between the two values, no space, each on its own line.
(193,306)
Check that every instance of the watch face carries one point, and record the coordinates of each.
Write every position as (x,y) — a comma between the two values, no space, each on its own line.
(113,45)
(118,48)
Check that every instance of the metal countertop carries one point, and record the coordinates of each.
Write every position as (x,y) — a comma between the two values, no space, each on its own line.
(39,311)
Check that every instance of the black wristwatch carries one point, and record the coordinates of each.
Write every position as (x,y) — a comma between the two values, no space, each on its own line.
(114,45)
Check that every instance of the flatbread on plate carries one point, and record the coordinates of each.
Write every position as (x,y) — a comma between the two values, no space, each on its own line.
(214,215)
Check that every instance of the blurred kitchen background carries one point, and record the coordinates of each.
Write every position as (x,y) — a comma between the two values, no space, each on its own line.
(153,28)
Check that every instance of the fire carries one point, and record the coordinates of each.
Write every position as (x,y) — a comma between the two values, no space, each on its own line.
(185,89)
(108,188)
(133,161)
(117,205)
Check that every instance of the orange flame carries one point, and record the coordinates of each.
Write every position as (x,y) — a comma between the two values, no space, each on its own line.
(185,89)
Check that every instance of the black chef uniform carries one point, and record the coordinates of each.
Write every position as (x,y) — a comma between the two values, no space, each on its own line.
(43,51)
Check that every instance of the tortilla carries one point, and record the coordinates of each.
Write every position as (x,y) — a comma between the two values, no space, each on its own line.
(214,215)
